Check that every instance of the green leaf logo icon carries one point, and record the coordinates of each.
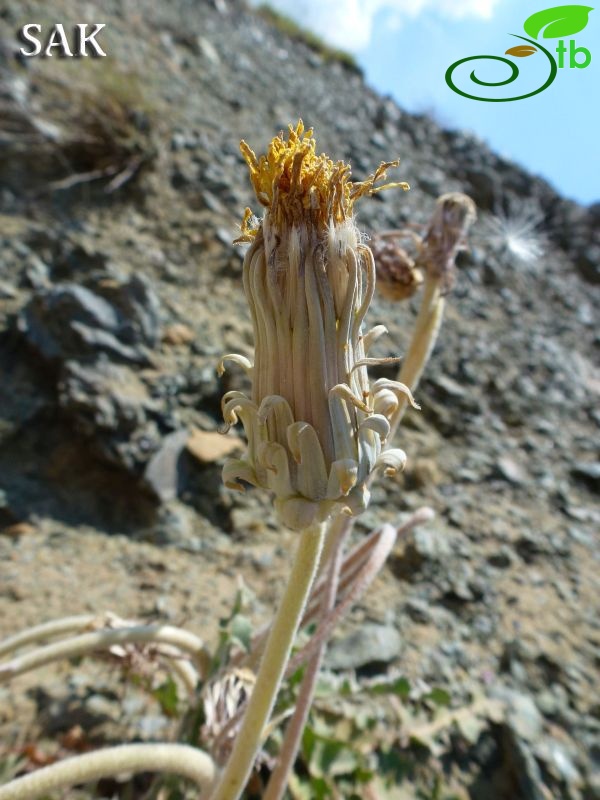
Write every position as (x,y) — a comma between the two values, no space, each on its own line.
(557,22)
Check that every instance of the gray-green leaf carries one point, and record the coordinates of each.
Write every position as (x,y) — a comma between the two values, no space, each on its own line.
(558,21)
(241,631)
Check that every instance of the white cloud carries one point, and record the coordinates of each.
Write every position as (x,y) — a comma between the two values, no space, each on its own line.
(349,23)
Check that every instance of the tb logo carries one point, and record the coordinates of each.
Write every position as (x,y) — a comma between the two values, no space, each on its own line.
(549,23)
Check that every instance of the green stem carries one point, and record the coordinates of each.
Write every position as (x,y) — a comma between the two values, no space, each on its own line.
(274,660)
(332,558)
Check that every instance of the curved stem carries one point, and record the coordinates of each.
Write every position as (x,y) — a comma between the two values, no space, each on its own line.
(274,660)
(103,640)
(174,758)
(47,630)
(180,665)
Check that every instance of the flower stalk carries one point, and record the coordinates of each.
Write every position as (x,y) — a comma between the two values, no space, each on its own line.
(315,433)
(273,664)
(295,727)
(446,235)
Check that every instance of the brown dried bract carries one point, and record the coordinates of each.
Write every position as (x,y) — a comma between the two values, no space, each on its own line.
(397,276)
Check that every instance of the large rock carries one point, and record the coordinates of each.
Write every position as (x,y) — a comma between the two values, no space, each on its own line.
(117,318)
(371,644)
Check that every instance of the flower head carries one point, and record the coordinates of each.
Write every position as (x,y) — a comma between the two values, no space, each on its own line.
(518,233)
(314,429)
(446,235)
(397,276)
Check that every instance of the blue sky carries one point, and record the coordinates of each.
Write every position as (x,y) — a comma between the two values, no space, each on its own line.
(405,47)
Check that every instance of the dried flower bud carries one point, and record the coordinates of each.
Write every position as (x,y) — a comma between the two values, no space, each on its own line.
(313,433)
(222,700)
(397,276)
(446,236)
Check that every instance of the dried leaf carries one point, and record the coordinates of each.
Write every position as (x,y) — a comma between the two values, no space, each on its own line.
(521,50)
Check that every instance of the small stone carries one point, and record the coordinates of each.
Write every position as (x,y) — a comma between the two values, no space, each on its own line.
(429,544)
(224,236)
(37,273)
(103,396)
(165,608)
(581,514)
(484,627)
(424,472)
(178,334)
(580,537)
(501,558)
(245,520)
(555,755)
(101,706)
(314,59)
(7,292)
(178,525)
(508,469)
(449,387)
(418,610)
(263,562)
(423,548)
(379,140)
(522,714)
(18,530)
(212,202)
(520,761)
(207,50)
(152,726)
(163,471)
(210,446)
(458,583)
(371,644)
(547,702)
(588,473)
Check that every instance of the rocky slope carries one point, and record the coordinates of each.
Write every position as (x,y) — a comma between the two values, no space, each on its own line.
(121,189)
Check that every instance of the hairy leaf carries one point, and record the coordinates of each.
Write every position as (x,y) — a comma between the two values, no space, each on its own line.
(438,696)
(399,686)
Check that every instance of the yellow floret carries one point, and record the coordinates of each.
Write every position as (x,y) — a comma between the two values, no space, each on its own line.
(296,185)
